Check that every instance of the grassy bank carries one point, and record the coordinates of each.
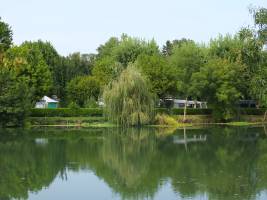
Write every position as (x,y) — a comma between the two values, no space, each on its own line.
(172,121)
(64,121)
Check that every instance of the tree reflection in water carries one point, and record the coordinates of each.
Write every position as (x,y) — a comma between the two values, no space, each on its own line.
(220,162)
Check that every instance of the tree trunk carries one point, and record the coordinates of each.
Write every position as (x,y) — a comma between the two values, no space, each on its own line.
(185,139)
(139,120)
(265,115)
(265,131)
(185,105)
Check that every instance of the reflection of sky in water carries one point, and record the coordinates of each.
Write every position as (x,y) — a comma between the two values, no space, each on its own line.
(86,185)
(79,185)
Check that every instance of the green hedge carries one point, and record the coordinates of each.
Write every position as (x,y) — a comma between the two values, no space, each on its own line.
(208,111)
(252,111)
(84,112)
(66,112)
(180,111)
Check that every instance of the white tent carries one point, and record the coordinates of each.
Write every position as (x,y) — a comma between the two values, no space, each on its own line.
(45,101)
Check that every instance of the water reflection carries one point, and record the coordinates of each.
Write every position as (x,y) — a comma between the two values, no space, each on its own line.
(208,163)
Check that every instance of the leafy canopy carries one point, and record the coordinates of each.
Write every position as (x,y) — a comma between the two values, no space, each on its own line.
(128,100)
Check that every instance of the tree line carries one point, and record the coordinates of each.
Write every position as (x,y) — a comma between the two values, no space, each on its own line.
(227,69)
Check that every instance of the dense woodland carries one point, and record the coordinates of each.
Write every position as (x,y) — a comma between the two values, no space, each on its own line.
(227,69)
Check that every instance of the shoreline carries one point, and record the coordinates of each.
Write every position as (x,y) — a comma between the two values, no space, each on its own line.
(180,125)
(101,122)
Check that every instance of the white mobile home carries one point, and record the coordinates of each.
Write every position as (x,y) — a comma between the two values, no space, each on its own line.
(47,102)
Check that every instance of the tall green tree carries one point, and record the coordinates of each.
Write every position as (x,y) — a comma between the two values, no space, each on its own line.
(116,54)
(244,48)
(167,49)
(14,98)
(107,69)
(130,48)
(258,86)
(186,59)
(260,21)
(83,88)
(128,100)
(5,36)
(217,83)
(29,65)
(161,76)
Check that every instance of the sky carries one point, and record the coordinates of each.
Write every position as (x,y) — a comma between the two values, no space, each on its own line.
(82,25)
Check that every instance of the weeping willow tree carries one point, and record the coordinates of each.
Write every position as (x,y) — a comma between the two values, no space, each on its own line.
(128,101)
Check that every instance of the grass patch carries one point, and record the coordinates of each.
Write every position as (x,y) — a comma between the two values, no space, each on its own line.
(241,123)
(64,120)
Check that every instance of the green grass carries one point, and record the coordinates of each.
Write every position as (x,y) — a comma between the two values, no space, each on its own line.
(242,123)
(102,122)
(64,120)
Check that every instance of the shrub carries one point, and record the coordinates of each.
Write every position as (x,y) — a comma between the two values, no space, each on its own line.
(162,119)
(252,111)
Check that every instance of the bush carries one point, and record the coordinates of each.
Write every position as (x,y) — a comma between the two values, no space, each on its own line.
(66,112)
(162,119)
(252,111)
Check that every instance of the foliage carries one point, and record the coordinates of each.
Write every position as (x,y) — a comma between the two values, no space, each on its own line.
(244,48)
(258,85)
(217,83)
(107,69)
(82,88)
(29,66)
(186,59)
(5,36)
(91,103)
(116,54)
(66,112)
(167,49)
(162,76)
(260,21)
(70,67)
(163,119)
(14,99)
(53,61)
(128,100)
(130,48)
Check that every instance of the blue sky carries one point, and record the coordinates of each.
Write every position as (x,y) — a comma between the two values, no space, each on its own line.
(82,25)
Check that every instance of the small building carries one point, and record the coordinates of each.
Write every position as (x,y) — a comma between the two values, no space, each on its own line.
(47,102)
(179,103)
(247,104)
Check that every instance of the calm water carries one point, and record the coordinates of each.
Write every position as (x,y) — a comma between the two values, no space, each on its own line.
(209,163)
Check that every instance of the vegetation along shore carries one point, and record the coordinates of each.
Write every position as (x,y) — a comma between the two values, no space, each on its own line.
(134,82)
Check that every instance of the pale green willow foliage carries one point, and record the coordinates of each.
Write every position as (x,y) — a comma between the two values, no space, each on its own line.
(128,101)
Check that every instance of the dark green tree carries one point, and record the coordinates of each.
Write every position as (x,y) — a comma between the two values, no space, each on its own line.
(5,36)
(186,59)
(217,83)
(260,21)
(161,76)
(83,88)
(14,98)
(167,49)
(29,65)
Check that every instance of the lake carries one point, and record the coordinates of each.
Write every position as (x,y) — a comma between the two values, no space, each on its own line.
(161,164)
